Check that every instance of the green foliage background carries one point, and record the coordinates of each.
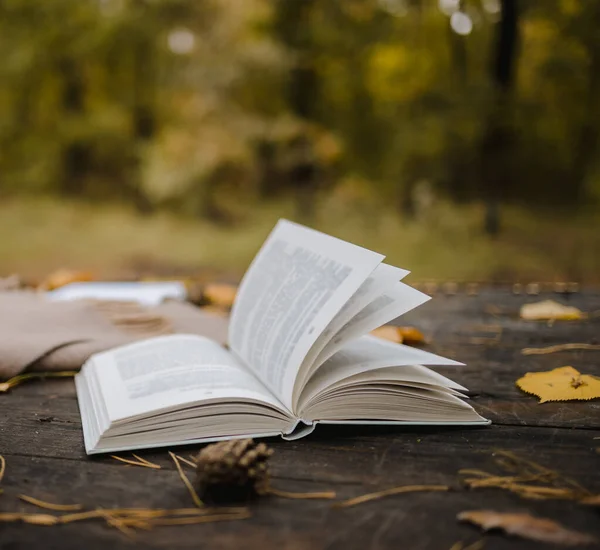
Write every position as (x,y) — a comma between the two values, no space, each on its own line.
(210,108)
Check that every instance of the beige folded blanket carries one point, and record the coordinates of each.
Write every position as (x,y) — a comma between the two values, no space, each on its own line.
(37,334)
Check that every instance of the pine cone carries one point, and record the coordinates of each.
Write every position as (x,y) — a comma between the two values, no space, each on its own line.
(233,470)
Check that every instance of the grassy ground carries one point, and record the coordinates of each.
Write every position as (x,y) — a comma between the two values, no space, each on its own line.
(40,235)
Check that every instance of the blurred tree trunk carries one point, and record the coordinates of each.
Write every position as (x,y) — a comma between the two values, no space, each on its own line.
(589,138)
(143,111)
(458,52)
(499,134)
(294,28)
(76,154)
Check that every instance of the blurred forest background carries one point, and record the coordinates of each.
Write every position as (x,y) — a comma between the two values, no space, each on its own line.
(459,137)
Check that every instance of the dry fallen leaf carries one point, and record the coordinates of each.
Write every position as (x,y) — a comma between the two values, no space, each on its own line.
(526,526)
(388,332)
(410,336)
(561,384)
(549,310)
(220,295)
(64,277)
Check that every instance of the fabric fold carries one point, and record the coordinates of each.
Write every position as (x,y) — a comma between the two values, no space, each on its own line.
(37,334)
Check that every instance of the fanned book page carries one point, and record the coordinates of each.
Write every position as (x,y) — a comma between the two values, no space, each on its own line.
(298,356)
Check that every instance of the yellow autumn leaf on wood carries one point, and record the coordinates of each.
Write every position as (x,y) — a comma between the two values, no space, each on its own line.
(220,295)
(410,336)
(64,277)
(549,310)
(388,332)
(562,384)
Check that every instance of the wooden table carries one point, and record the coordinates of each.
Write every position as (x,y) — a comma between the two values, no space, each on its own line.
(41,439)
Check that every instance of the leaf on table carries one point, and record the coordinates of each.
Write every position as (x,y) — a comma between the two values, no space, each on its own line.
(388,332)
(64,277)
(220,294)
(549,310)
(591,501)
(410,336)
(561,384)
(526,526)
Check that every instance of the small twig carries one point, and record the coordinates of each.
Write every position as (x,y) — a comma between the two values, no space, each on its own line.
(2,467)
(187,482)
(186,461)
(117,523)
(19,379)
(388,492)
(200,519)
(477,545)
(287,494)
(50,505)
(142,462)
(542,470)
(35,519)
(151,464)
(128,519)
(557,348)
(70,518)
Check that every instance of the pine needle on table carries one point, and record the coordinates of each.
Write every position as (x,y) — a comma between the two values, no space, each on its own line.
(199,519)
(2,467)
(559,347)
(140,462)
(523,474)
(309,496)
(50,505)
(127,520)
(389,492)
(186,461)
(19,379)
(197,501)
(477,545)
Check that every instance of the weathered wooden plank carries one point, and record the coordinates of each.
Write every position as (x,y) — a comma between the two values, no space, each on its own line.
(40,435)
(458,327)
(53,428)
(335,459)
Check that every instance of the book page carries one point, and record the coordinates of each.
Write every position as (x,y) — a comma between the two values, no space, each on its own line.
(383,309)
(295,286)
(380,281)
(160,373)
(368,354)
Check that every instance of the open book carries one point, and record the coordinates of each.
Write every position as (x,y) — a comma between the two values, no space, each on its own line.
(297,356)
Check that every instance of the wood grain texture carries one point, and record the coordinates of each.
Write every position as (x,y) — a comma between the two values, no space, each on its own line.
(40,436)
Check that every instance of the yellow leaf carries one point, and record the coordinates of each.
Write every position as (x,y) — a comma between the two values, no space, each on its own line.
(411,336)
(562,384)
(388,332)
(401,335)
(64,277)
(549,310)
(220,295)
